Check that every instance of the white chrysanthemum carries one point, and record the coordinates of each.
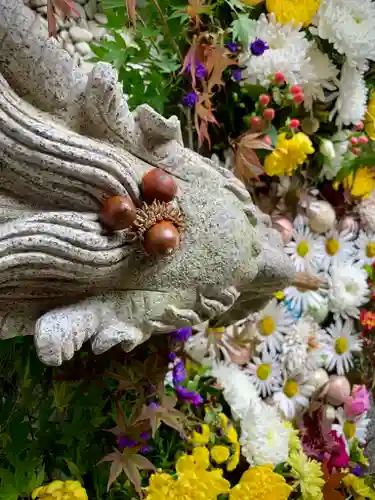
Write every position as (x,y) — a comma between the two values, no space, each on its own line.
(336,248)
(348,289)
(274,321)
(293,396)
(350,428)
(264,438)
(287,51)
(351,102)
(350,26)
(365,245)
(303,249)
(341,342)
(331,167)
(302,301)
(303,347)
(265,374)
(317,75)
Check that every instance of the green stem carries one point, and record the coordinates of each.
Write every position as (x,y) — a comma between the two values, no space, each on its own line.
(166,29)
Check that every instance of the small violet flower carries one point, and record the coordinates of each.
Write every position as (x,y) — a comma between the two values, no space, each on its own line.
(357,471)
(179,373)
(191,397)
(258,47)
(200,70)
(232,46)
(359,401)
(237,74)
(182,334)
(125,441)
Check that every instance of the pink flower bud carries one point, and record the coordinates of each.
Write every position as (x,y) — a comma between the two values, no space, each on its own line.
(359,401)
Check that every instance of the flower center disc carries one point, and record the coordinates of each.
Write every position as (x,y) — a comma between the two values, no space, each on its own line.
(349,429)
(264,371)
(291,388)
(341,346)
(303,249)
(267,326)
(370,250)
(332,247)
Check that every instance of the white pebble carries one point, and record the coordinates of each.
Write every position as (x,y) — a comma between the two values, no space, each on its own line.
(64,35)
(38,3)
(83,48)
(80,14)
(96,30)
(90,9)
(69,47)
(82,23)
(42,10)
(101,18)
(80,35)
(82,2)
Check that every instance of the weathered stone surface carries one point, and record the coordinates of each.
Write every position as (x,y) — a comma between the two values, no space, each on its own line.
(78,34)
(67,142)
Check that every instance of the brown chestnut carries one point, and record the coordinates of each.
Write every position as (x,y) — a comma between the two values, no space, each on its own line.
(161,239)
(118,212)
(158,185)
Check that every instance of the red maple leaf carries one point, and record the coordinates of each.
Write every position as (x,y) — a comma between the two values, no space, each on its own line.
(67,7)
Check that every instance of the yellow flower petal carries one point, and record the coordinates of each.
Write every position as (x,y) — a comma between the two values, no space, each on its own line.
(289,154)
(292,11)
(201,437)
(220,454)
(232,435)
(201,456)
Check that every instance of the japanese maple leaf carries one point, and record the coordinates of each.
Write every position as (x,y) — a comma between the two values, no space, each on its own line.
(130,463)
(247,163)
(195,9)
(67,7)
(332,483)
(217,60)
(131,10)
(165,412)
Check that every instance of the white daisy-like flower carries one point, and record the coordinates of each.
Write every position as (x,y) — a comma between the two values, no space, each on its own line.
(300,301)
(332,166)
(264,438)
(336,248)
(365,245)
(264,372)
(287,52)
(350,26)
(348,289)
(350,428)
(303,348)
(340,344)
(294,395)
(303,249)
(274,321)
(351,102)
(318,75)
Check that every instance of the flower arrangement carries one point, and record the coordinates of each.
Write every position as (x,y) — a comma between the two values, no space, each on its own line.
(277,406)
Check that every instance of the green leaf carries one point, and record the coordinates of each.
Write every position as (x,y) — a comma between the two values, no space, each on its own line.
(236,5)
(112,4)
(272,134)
(74,470)
(243,29)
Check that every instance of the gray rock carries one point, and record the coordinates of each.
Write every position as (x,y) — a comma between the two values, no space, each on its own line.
(90,9)
(83,48)
(82,23)
(86,66)
(81,2)
(101,18)
(63,277)
(78,34)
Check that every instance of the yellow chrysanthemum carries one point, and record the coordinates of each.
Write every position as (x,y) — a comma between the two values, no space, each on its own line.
(360,184)
(235,458)
(193,481)
(288,155)
(290,11)
(60,490)
(202,436)
(220,453)
(307,474)
(261,483)
(294,440)
(231,435)
(370,118)
(358,486)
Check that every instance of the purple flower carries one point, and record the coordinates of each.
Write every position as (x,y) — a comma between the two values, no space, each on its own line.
(144,436)
(237,74)
(258,47)
(153,405)
(357,471)
(172,356)
(125,441)
(182,334)
(189,396)
(200,70)
(232,46)
(179,373)
(189,100)
(145,449)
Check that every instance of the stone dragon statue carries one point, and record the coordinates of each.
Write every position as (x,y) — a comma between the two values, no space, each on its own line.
(67,142)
